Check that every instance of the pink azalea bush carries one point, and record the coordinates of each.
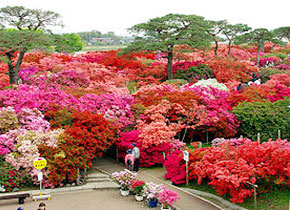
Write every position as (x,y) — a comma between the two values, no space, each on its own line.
(168,197)
(152,190)
(125,178)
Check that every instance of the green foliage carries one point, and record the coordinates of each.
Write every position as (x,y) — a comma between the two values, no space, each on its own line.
(18,40)
(283,32)
(72,43)
(276,54)
(132,86)
(11,178)
(178,82)
(265,73)
(194,73)
(265,118)
(163,33)
(257,37)
(31,19)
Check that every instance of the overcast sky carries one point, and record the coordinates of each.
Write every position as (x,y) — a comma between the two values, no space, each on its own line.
(118,15)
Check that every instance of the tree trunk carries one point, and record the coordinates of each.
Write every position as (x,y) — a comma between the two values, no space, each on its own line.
(258,56)
(13,70)
(169,63)
(216,46)
(13,77)
(229,50)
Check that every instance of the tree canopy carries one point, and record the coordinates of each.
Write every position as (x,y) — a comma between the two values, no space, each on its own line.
(283,32)
(258,37)
(231,32)
(29,32)
(163,33)
(31,19)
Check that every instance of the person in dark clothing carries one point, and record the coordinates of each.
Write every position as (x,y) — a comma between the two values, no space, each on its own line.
(42,206)
(239,88)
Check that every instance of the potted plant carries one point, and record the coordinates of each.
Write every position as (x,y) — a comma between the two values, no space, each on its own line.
(151,192)
(125,179)
(167,198)
(138,188)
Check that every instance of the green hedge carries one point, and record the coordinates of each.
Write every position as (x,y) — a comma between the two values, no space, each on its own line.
(265,118)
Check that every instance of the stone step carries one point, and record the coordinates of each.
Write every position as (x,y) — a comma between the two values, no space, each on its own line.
(97,179)
(97,175)
(88,186)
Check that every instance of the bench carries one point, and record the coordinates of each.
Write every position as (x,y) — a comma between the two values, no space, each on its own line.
(21,196)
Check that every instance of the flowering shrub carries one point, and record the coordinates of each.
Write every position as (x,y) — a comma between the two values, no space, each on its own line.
(230,168)
(194,73)
(283,66)
(175,167)
(168,197)
(138,187)
(225,70)
(10,177)
(151,191)
(272,61)
(185,65)
(32,119)
(209,83)
(150,156)
(8,119)
(125,178)
(233,142)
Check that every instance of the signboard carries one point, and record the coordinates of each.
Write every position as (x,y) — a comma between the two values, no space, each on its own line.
(40,176)
(39,163)
(186,155)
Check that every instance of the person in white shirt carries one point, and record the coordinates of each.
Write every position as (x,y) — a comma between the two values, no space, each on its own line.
(136,153)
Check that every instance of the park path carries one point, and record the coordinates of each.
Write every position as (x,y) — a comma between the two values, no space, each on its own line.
(187,201)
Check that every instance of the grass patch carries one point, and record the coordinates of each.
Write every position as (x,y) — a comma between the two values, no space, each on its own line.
(103,48)
(277,199)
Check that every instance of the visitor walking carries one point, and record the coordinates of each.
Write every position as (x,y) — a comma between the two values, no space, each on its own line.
(136,153)
(129,160)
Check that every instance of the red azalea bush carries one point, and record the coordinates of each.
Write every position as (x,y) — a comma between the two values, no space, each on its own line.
(230,69)
(230,169)
(150,156)
(266,61)
(184,65)
(89,134)
(175,167)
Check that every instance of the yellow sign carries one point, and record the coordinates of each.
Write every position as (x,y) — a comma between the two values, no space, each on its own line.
(39,163)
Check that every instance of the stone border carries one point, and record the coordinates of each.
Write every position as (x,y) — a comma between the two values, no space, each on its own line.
(209,195)
(194,195)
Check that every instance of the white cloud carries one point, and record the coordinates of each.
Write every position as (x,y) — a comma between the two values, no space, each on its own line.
(117,15)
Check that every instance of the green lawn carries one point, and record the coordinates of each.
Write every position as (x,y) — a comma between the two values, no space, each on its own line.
(275,200)
(103,48)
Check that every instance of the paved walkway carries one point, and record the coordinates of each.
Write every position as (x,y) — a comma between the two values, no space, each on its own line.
(186,202)
(80,200)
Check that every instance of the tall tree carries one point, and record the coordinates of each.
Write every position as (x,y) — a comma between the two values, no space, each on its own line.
(283,33)
(216,27)
(233,31)
(257,37)
(28,19)
(14,44)
(163,33)
(30,26)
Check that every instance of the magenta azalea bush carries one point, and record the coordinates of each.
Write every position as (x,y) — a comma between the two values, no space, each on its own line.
(168,197)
